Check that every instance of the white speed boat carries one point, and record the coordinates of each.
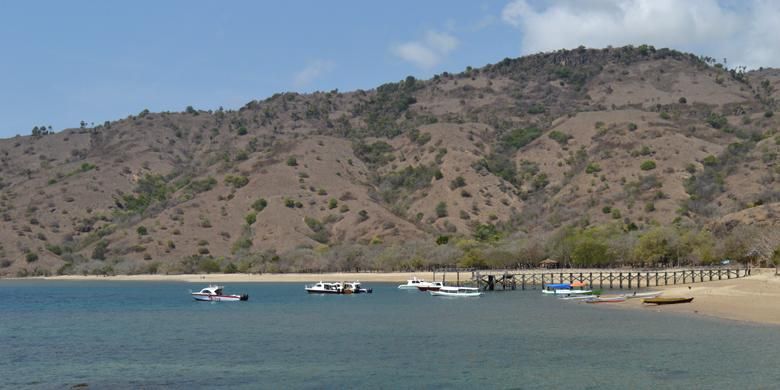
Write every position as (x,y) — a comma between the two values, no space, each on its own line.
(413,283)
(325,288)
(451,291)
(430,286)
(216,294)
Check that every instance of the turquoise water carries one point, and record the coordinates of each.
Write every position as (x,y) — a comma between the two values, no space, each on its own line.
(152,335)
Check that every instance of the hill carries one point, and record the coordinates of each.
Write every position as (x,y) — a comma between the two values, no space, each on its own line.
(611,155)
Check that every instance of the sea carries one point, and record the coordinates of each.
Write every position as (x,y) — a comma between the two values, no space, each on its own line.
(153,335)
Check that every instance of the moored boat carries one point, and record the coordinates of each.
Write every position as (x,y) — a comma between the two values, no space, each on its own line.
(607,299)
(356,288)
(430,286)
(667,301)
(451,291)
(565,289)
(216,294)
(412,283)
(325,288)
(649,294)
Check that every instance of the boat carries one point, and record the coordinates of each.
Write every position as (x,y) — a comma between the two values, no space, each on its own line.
(649,294)
(565,289)
(609,299)
(580,297)
(216,294)
(325,288)
(356,288)
(430,286)
(451,291)
(412,283)
(667,301)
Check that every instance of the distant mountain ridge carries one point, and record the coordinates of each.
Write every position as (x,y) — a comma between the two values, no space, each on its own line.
(492,163)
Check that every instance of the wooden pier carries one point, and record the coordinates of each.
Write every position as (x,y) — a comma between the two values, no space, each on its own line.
(597,279)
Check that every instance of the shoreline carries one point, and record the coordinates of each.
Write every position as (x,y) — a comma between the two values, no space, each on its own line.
(399,277)
(754,299)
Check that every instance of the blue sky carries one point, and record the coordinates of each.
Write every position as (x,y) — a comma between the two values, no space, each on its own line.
(63,62)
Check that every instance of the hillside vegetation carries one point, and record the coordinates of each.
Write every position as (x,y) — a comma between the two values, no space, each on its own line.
(591,157)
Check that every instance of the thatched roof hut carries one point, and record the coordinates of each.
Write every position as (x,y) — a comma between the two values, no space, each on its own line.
(548,263)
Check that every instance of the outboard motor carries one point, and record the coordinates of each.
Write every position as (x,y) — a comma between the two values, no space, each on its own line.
(244,297)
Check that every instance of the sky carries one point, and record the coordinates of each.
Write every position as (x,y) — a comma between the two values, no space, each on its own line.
(63,62)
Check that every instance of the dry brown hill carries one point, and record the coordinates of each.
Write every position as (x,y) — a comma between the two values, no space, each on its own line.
(632,135)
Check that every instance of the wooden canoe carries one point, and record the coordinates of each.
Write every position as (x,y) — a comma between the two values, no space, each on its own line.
(666,301)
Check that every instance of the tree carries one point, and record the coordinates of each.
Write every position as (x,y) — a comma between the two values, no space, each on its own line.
(486,232)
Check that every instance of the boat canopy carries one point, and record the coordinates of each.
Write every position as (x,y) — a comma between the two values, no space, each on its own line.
(559,285)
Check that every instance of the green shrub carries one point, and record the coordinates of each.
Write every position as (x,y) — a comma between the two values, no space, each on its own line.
(242,130)
(333,203)
(616,214)
(486,232)
(251,218)
(203,185)
(458,182)
(31,257)
(559,137)
(606,209)
(260,205)
(292,161)
(717,121)
(592,168)
(441,209)
(236,181)
(710,161)
(53,249)
(518,138)
(142,231)
(289,203)
(647,165)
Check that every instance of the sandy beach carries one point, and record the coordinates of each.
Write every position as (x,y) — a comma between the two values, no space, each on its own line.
(753,299)
(399,277)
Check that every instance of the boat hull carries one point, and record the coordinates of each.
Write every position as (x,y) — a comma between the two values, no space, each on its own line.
(460,295)
(220,298)
(567,292)
(646,295)
(666,301)
(317,291)
(606,300)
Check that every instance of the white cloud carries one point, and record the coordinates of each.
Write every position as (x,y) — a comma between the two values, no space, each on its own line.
(429,51)
(741,31)
(311,72)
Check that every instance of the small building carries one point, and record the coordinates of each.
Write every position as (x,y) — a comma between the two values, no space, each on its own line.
(548,263)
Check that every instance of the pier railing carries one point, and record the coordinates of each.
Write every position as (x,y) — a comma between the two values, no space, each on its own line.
(524,279)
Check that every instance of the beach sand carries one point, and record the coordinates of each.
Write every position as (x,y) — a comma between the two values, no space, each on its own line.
(752,299)
(394,277)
